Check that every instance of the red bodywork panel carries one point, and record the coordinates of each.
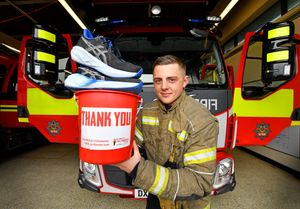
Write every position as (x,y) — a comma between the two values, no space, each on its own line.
(9,115)
(8,103)
(57,128)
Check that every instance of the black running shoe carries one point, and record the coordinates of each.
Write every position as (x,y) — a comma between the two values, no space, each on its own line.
(97,54)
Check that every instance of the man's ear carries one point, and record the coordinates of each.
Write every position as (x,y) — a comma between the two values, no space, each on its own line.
(185,81)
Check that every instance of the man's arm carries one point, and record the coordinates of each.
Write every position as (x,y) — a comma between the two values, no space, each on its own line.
(193,181)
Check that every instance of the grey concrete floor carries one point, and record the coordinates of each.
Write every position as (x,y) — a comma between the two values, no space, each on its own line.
(46,177)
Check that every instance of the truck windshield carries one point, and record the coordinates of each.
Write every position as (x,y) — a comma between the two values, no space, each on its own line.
(201,55)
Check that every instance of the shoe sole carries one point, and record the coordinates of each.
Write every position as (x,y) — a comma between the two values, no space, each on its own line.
(79,82)
(80,55)
(93,74)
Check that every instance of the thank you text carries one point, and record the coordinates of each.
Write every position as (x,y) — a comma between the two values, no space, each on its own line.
(105,128)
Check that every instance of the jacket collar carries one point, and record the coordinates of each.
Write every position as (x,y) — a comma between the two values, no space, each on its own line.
(175,104)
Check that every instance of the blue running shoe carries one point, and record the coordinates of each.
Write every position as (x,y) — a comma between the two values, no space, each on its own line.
(87,79)
(96,52)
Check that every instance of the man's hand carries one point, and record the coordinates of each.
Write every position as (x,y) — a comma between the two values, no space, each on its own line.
(128,165)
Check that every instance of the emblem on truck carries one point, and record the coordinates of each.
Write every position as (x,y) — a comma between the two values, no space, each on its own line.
(53,128)
(262,130)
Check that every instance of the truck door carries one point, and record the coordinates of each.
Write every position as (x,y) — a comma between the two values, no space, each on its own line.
(43,101)
(267,93)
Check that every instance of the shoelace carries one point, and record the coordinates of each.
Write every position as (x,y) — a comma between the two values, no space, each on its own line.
(110,49)
(103,47)
(90,73)
(100,49)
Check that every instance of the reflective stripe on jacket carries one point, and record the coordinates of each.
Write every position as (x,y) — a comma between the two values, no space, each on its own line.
(188,132)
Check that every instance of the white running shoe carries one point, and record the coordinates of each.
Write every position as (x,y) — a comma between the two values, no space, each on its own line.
(78,81)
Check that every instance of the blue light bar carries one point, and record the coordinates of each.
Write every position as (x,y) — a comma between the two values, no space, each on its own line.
(117,21)
(196,20)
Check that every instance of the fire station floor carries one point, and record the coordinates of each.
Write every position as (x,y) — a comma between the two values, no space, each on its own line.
(46,177)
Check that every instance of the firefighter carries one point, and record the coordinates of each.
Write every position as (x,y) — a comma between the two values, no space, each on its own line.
(179,136)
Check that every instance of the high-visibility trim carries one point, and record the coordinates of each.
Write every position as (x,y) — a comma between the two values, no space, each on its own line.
(170,127)
(215,76)
(41,103)
(44,56)
(277,56)
(139,135)
(283,98)
(208,206)
(23,120)
(153,121)
(161,180)
(43,34)
(181,136)
(8,108)
(279,32)
(200,156)
(295,123)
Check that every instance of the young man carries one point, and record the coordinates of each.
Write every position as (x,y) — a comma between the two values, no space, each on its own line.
(179,136)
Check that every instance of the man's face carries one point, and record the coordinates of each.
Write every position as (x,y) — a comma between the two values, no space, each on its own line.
(169,82)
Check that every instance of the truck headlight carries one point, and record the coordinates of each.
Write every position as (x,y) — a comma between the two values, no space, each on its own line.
(223,173)
(91,173)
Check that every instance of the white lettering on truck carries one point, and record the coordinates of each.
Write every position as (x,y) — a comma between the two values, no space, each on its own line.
(210,104)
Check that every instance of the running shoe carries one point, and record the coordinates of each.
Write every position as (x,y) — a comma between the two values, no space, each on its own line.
(87,79)
(97,53)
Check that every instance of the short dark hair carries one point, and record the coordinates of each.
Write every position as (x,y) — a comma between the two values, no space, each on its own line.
(169,59)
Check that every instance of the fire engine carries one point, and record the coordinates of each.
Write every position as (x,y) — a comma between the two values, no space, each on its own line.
(252,109)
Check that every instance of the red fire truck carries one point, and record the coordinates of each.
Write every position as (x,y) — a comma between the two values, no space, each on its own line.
(262,102)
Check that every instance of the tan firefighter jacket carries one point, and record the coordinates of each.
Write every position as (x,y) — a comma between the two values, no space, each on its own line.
(185,134)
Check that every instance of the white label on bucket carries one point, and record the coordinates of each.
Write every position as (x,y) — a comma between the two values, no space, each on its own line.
(105,128)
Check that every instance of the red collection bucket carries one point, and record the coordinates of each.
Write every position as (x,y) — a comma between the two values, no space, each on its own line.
(107,122)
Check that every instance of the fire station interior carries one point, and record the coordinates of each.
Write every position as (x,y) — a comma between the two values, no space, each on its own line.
(37,173)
